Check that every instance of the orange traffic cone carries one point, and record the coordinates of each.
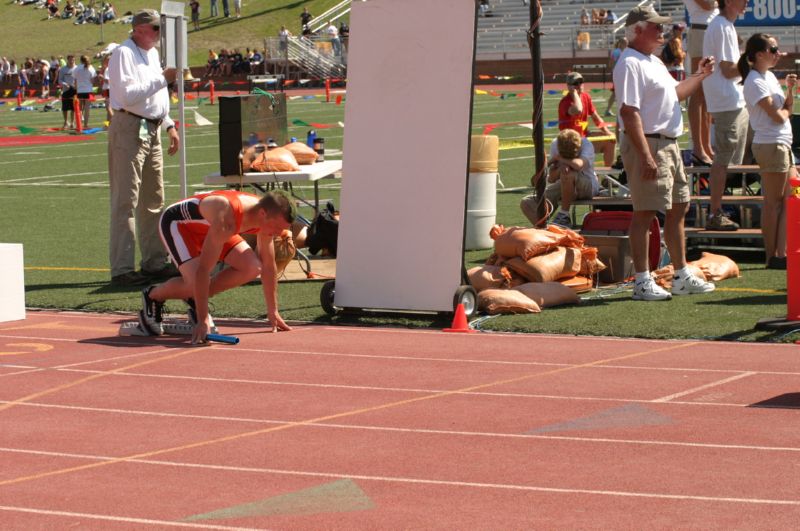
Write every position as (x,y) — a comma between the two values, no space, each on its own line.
(460,322)
(77,112)
(211,92)
(327,91)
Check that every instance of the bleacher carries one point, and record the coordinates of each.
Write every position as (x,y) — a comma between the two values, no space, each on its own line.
(503,34)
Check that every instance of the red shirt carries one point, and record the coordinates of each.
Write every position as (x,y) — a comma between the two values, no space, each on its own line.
(578,122)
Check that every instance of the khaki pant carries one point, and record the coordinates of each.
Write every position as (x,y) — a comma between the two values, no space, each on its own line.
(135,171)
(671,185)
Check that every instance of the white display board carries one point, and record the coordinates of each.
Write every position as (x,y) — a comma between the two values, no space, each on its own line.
(12,283)
(406,154)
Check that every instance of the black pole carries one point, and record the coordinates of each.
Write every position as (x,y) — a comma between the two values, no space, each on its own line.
(534,43)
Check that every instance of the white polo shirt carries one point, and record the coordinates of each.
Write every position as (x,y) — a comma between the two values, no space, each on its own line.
(642,81)
(698,15)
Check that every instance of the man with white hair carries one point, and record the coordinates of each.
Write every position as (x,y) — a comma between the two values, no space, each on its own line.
(650,111)
(140,102)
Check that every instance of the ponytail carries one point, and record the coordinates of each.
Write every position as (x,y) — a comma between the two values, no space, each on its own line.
(743,66)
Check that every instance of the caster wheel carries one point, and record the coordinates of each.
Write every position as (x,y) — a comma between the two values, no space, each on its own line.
(326,297)
(467,296)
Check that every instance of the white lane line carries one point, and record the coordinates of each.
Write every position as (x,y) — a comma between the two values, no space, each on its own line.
(706,386)
(428,431)
(451,483)
(111,518)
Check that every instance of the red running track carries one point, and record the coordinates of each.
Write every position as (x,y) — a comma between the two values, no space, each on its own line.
(352,428)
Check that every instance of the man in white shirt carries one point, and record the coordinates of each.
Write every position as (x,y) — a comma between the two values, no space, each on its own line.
(725,103)
(650,111)
(140,101)
(333,35)
(700,12)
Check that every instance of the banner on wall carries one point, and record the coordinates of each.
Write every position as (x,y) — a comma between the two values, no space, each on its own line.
(769,13)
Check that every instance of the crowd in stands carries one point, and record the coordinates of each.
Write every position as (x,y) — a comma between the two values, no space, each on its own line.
(89,13)
(597,16)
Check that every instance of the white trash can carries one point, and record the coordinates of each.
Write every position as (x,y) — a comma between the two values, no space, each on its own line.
(482,192)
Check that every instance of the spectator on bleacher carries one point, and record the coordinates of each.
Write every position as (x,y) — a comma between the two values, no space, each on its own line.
(570,177)
(67,83)
(650,110)
(85,76)
(574,111)
(211,63)
(194,6)
(621,44)
(673,54)
(283,40)
(725,102)
(333,35)
(4,67)
(701,12)
(344,34)
(770,115)
(305,18)
(213,9)
(256,60)
(611,17)
(583,40)
(584,17)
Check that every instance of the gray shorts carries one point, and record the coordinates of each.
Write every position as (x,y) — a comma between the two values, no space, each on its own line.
(730,136)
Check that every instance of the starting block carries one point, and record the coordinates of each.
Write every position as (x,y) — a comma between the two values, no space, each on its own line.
(172,328)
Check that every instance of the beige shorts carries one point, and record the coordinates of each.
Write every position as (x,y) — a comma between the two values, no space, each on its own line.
(583,190)
(670,187)
(773,158)
(730,136)
(695,48)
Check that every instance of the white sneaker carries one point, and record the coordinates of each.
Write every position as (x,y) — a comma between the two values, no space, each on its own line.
(650,291)
(691,284)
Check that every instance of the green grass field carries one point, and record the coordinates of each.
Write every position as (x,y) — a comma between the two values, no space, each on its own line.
(28,33)
(54,200)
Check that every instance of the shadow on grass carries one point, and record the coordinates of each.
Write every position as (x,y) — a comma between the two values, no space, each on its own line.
(754,300)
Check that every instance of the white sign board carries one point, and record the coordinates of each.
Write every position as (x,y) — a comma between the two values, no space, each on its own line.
(12,283)
(406,154)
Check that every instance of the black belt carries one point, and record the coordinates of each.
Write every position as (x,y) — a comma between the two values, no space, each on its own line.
(660,136)
(698,26)
(154,121)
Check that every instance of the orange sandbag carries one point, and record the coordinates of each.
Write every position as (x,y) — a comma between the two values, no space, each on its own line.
(301,152)
(547,294)
(250,154)
(486,277)
(563,262)
(284,251)
(590,264)
(522,242)
(577,284)
(568,237)
(664,276)
(275,159)
(497,301)
(717,267)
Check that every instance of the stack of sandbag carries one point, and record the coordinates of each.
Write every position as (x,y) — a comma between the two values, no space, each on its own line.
(710,267)
(548,267)
(261,158)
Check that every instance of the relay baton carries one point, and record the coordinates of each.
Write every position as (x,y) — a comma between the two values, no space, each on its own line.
(220,338)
